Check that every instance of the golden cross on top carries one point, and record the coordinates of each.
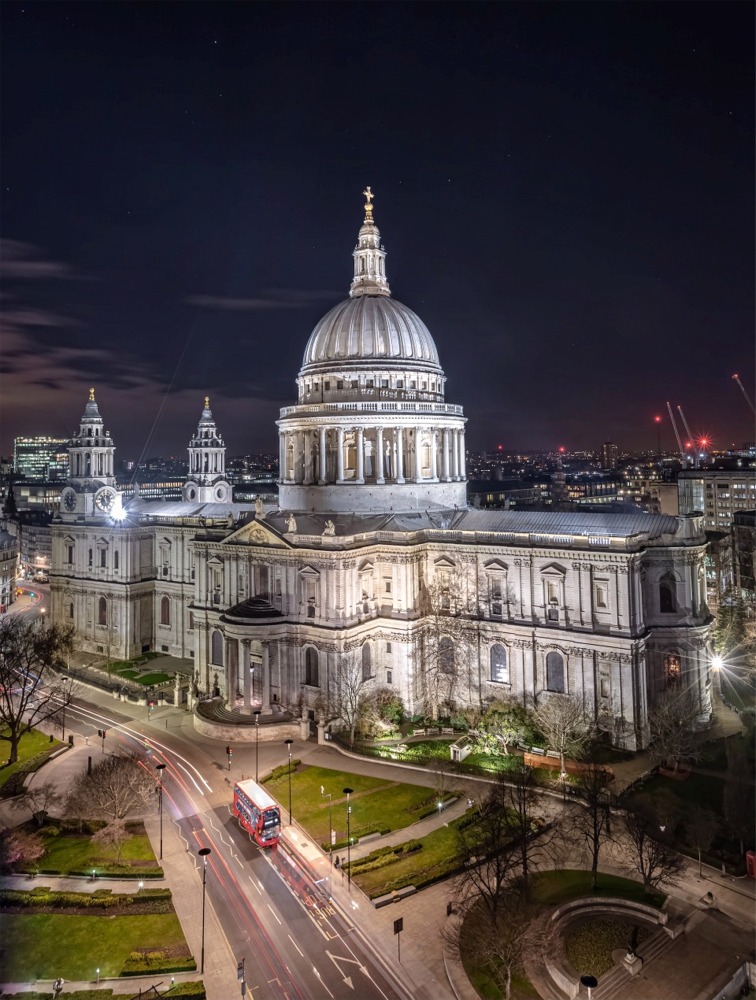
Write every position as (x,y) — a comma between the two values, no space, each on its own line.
(368,194)
(207,402)
(91,395)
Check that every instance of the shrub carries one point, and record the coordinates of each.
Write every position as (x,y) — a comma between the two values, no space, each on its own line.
(280,772)
(192,990)
(140,962)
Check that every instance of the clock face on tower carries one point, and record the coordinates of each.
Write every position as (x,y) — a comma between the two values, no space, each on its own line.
(69,499)
(104,499)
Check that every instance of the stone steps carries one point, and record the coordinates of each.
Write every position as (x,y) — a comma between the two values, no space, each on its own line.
(618,977)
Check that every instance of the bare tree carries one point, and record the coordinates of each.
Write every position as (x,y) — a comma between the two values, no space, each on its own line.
(444,643)
(647,856)
(673,726)
(490,855)
(116,787)
(39,800)
(738,798)
(592,820)
(113,835)
(347,692)
(31,690)
(563,721)
(503,946)
(701,827)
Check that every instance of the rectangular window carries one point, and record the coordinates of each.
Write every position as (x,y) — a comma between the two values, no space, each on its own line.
(103,558)
(339,383)
(387,586)
(553,614)
(604,687)
(69,553)
(553,592)
(389,677)
(326,385)
(601,595)
(388,647)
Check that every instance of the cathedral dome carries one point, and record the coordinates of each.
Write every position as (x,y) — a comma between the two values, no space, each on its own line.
(372,328)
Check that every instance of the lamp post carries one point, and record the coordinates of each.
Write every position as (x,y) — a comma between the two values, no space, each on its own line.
(288,744)
(256,714)
(160,768)
(203,853)
(348,792)
(323,794)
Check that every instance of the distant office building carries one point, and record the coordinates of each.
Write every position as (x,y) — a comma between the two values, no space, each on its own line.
(8,568)
(35,542)
(718,494)
(43,496)
(608,455)
(40,458)
(744,553)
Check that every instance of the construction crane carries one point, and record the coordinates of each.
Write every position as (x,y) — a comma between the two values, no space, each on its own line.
(677,435)
(736,379)
(690,436)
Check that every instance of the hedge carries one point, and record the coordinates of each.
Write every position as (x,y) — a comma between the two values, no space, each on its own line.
(15,783)
(280,772)
(151,900)
(189,991)
(144,962)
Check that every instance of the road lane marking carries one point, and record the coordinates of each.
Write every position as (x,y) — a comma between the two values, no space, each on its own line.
(296,945)
(274,913)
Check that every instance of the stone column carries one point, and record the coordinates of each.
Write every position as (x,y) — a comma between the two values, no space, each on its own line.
(232,680)
(418,468)
(360,455)
(281,455)
(461,454)
(323,464)
(447,474)
(265,693)
(434,456)
(340,456)
(399,454)
(379,478)
(307,477)
(247,676)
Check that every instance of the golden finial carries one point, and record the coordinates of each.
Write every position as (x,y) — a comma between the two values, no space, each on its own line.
(91,395)
(368,207)
(207,402)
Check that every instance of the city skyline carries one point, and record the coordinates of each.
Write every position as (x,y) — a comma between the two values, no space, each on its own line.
(565,195)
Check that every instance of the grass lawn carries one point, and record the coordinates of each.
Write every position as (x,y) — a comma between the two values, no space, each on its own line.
(69,852)
(435,860)
(150,679)
(32,744)
(376,804)
(46,945)
(555,887)
(704,789)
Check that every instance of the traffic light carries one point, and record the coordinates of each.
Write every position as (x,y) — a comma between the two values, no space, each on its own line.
(101,733)
(228,750)
(152,705)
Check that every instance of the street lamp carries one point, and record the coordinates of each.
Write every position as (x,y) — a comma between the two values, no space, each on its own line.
(160,768)
(323,794)
(348,792)
(203,853)
(256,714)
(288,744)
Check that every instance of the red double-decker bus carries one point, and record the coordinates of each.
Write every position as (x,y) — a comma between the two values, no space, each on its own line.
(258,812)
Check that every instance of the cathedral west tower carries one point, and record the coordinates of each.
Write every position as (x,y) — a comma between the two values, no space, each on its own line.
(371,431)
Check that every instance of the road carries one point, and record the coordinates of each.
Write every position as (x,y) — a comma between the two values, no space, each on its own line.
(296,943)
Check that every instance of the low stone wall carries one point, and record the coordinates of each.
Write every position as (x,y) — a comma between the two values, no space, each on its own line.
(269,733)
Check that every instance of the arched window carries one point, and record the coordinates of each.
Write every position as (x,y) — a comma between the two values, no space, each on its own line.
(668,594)
(311,667)
(446,655)
(102,612)
(672,669)
(366,669)
(554,672)
(216,653)
(165,611)
(499,668)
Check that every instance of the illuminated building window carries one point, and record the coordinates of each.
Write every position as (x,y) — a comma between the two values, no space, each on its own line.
(672,670)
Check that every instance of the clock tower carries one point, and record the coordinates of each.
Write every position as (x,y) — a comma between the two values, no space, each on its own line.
(91,488)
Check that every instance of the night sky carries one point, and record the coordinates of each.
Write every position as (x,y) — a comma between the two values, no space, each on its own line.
(565,192)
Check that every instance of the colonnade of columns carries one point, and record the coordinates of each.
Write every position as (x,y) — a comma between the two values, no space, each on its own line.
(248,675)
(372,454)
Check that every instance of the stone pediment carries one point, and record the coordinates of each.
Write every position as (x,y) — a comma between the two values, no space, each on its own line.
(255,533)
